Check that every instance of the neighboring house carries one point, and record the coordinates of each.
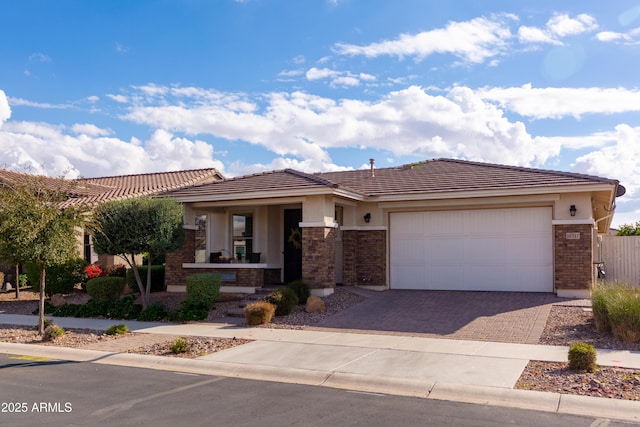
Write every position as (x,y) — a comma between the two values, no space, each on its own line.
(439,224)
(92,191)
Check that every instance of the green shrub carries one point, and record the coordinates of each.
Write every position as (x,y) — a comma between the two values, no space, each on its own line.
(157,278)
(259,313)
(192,309)
(175,316)
(153,313)
(59,279)
(285,300)
(181,345)
(204,288)
(46,322)
(51,332)
(92,308)
(302,290)
(23,280)
(124,308)
(69,310)
(105,288)
(117,330)
(582,357)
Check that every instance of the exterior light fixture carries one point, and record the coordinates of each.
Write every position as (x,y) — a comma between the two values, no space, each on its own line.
(367,217)
(572,210)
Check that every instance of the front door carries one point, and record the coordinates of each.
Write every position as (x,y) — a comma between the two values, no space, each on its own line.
(292,245)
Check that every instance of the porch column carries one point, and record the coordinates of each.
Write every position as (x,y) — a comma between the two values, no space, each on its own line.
(573,264)
(318,258)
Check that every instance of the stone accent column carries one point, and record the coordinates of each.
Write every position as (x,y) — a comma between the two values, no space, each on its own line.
(174,274)
(364,257)
(318,257)
(573,265)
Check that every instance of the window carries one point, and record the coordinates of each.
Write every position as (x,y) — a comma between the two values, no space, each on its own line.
(242,235)
(201,238)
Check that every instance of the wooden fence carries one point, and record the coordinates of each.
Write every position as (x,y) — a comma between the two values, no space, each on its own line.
(621,255)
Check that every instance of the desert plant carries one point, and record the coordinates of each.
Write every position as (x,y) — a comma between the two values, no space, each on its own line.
(204,288)
(46,322)
(624,314)
(582,357)
(51,332)
(285,300)
(301,289)
(259,313)
(153,313)
(180,345)
(105,288)
(599,304)
(117,330)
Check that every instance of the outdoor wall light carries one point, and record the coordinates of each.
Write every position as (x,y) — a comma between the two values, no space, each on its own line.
(367,217)
(572,210)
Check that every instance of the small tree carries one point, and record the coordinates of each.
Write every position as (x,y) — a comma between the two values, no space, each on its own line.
(629,230)
(35,227)
(133,226)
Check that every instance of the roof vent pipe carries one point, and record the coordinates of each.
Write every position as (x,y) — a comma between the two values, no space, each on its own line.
(371,162)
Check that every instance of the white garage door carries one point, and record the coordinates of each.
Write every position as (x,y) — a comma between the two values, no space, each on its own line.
(485,249)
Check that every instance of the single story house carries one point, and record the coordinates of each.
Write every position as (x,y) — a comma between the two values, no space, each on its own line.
(441,224)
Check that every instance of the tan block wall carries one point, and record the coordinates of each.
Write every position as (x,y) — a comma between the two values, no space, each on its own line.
(364,254)
(319,257)
(573,257)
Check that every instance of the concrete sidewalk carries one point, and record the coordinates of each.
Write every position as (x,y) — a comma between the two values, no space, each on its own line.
(465,371)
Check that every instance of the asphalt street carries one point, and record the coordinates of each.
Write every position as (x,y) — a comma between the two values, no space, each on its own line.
(38,391)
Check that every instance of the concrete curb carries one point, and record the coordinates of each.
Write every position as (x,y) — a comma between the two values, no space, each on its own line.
(495,396)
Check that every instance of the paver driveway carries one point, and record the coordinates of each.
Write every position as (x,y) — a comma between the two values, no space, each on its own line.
(516,317)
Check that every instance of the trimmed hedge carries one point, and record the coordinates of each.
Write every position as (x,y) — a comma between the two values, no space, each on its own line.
(157,278)
(105,288)
(302,290)
(204,288)
(59,279)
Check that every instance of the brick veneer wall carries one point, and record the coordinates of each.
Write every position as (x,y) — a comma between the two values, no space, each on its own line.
(174,274)
(573,257)
(319,257)
(364,257)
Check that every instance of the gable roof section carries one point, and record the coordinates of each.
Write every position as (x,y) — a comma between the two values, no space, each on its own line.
(285,182)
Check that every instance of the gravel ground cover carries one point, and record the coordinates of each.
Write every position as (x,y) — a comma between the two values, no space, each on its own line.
(566,324)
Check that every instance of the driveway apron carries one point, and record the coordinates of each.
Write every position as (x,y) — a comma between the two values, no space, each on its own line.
(514,317)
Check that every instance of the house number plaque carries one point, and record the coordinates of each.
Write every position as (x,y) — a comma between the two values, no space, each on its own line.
(573,236)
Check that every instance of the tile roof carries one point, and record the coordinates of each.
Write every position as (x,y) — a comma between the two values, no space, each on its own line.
(431,176)
(446,175)
(102,189)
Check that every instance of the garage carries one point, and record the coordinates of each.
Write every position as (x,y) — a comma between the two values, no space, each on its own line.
(507,249)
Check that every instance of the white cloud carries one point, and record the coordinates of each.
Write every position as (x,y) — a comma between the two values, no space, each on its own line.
(472,41)
(558,27)
(558,102)
(50,150)
(89,129)
(26,103)
(406,122)
(118,98)
(620,160)
(345,81)
(39,57)
(320,73)
(5,110)
(631,37)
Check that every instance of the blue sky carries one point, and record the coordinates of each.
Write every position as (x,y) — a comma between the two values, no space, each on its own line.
(96,88)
